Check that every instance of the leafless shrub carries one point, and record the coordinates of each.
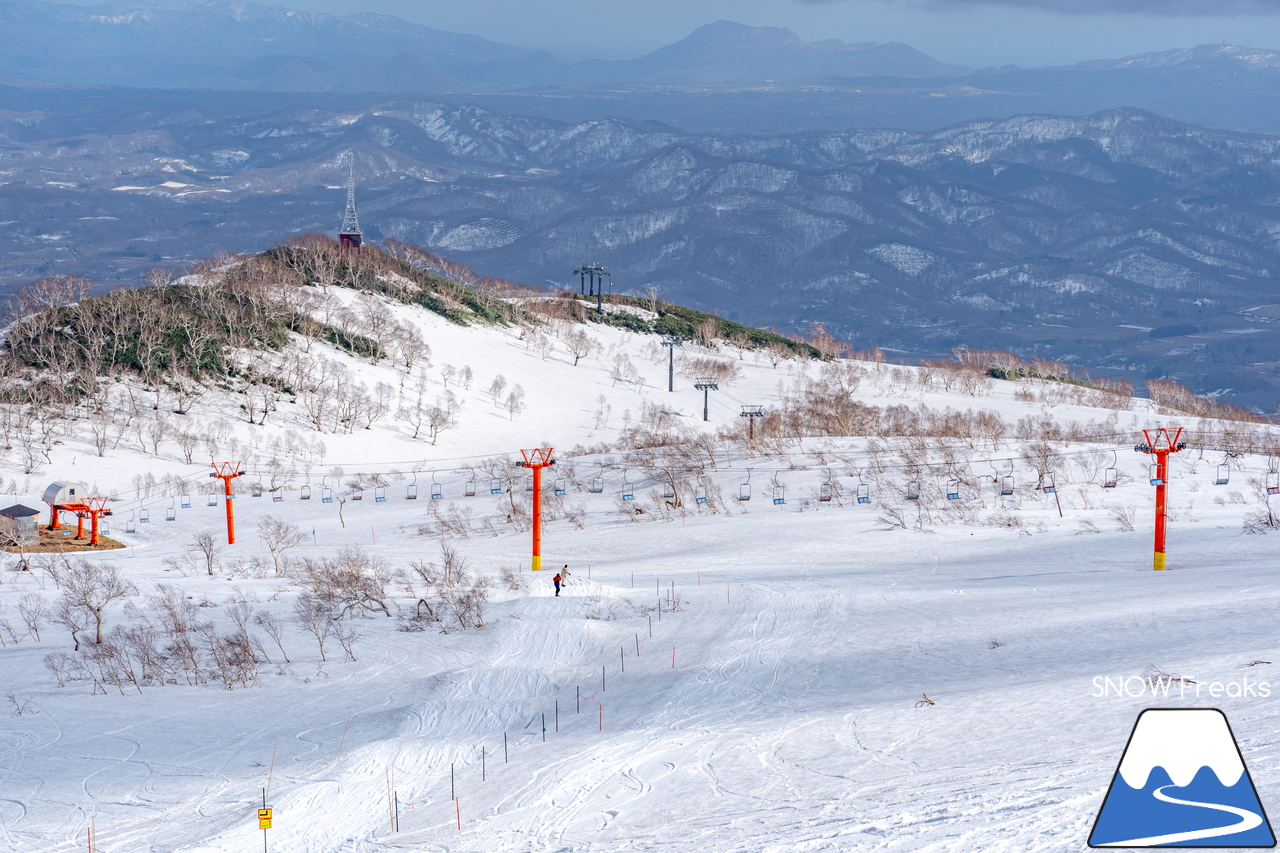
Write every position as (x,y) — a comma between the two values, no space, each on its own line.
(349,582)
(1124,516)
(1087,526)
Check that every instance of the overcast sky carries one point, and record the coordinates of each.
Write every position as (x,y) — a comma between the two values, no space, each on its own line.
(970,32)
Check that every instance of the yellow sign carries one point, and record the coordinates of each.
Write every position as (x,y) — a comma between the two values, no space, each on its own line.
(264,818)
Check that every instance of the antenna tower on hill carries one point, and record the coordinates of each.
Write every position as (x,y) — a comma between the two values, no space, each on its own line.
(351,236)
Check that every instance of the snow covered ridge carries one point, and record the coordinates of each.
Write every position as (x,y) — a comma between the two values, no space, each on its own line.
(362,624)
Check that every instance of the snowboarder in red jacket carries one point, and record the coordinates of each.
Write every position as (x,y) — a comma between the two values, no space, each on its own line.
(556,580)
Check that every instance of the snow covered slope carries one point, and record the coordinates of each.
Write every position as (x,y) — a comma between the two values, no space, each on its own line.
(720,676)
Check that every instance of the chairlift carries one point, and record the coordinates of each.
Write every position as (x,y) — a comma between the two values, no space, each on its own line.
(326,493)
(628,491)
(305,494)
(1112,476)
(597,483)
(668,490)
(144,516)
(411,493)
(380,494)
(560,485)
(1224,472)
(700,494)
(186,501)
(1156,479)
(470,489)
(437,491)
(104,527)
(277,496)
(913,490)
(357,494)
(1273,483)
(257,490)
(864,493)
(779,493)
(953,489)
(129,525)
(744,491)
(1050,484)
(824,492)
(171,513)
(528,486)
(1007,482)
(495,486)
(213,499)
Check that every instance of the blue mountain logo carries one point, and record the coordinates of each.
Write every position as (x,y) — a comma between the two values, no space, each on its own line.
(1182,783)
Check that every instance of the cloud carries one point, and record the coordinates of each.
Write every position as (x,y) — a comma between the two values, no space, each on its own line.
(1155,8)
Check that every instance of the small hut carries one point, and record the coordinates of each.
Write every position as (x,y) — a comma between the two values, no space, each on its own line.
(23,518)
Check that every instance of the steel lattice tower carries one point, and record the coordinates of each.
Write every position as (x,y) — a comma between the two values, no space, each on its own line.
(351,235)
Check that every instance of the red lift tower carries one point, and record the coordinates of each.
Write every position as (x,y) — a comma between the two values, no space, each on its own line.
(1160,443)
(226,472)
(537,460)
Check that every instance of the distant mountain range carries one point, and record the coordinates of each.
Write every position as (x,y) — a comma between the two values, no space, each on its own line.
(1120,241)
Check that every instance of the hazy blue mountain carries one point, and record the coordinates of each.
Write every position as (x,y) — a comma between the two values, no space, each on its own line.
(727,52)
(173,42)
(1073,237)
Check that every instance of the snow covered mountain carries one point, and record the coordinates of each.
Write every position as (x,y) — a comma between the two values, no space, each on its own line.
(1077,238)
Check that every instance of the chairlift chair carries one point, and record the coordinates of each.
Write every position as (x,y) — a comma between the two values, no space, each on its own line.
(104,527)
(380,495)
(597,485)
(1050,484)
(700,494)
(171,513)
(779,494)
(824,492)
(437,490)
(628,491)
(129,525)
(411,493)
(186,501)
(1156,480)
(560,485)
(953,489)
(470,489)
(1007,482)
(213,499)
(1224,472)
(1112,476)
(913,490)
(1273,483)
(305,494)
(668,490)
(326,493)
(495,486)
(357,494)
(864,493)
(257,490)
(277,496)
(144,516)
(744,491)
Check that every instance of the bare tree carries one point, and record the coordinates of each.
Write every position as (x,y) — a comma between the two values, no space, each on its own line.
(210,544)
(314,617)
(90,587)
(33,608)
(279,536)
